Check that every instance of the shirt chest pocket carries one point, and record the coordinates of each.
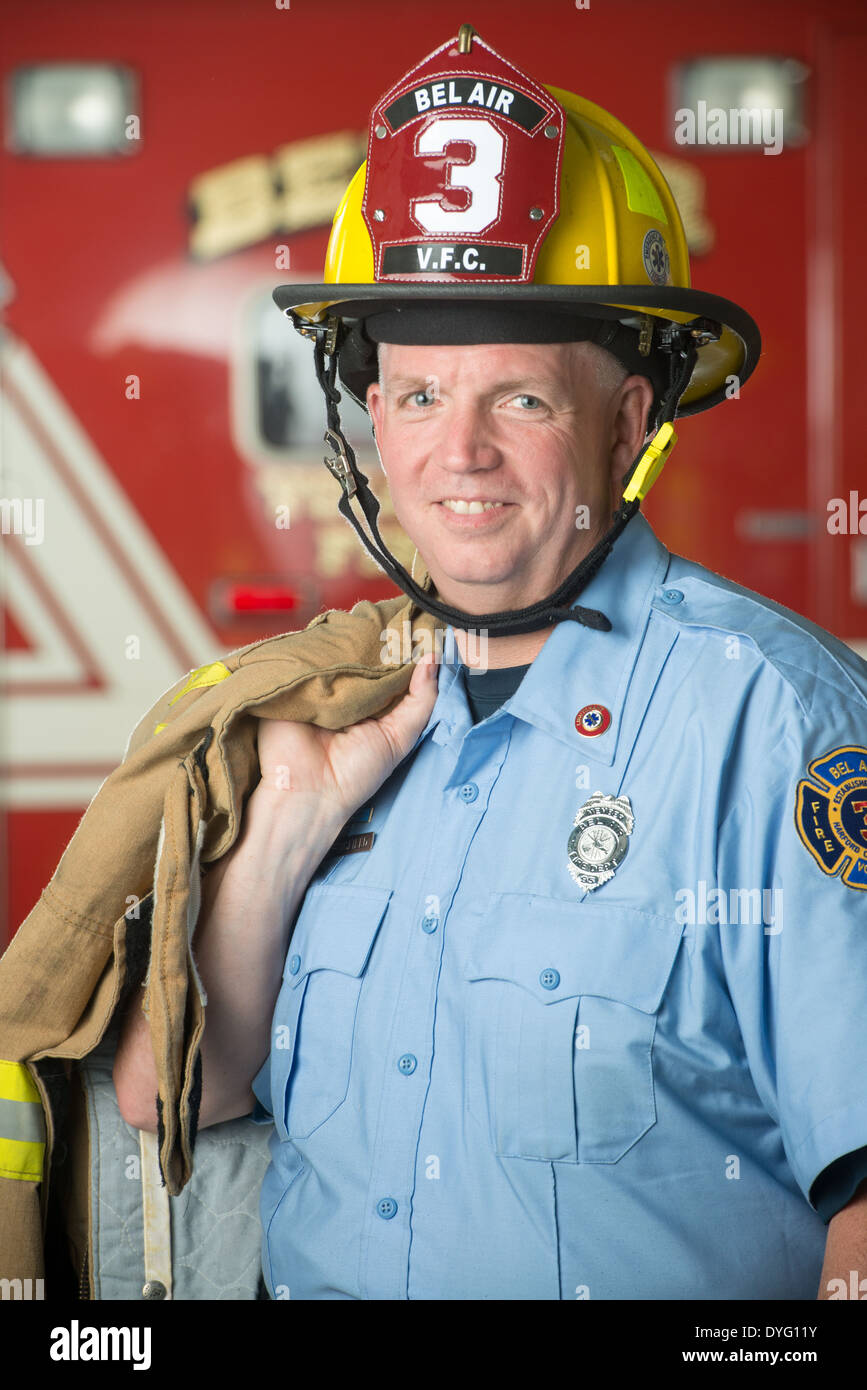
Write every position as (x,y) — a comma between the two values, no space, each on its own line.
(314,1020)
(562,1003)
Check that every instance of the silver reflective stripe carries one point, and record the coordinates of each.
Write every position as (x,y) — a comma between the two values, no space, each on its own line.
(157,1217)
(22,1119)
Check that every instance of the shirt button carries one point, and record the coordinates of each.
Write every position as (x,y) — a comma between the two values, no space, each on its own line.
(407,1064)
(550,978)
(294,965)
(672,596)
(469,792)
(386,1208)
(430,923)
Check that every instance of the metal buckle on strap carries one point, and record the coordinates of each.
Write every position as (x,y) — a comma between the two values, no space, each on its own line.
(673,337)
(704,331)
(326,331)
(339,465)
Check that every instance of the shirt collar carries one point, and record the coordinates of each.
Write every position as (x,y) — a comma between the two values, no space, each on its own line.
(578,666)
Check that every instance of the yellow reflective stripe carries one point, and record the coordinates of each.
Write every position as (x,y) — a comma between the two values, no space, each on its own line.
(16,1083)
(158,727)
(21,1120)
(21,1159)
(641,196)
(205,675)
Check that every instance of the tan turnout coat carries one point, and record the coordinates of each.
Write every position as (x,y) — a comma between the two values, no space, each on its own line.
(174,804)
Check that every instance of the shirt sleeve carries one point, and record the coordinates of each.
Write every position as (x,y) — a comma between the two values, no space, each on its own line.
(798,981)
(834,1188)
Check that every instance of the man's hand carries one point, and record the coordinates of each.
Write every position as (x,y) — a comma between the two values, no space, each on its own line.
(312,781)
(342,769)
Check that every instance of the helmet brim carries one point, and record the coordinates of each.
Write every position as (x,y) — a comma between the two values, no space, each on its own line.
(733,356)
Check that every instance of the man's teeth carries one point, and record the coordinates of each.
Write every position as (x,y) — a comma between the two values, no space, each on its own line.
(457,504)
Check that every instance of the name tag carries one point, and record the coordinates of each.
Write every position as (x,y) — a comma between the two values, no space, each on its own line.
(353,844)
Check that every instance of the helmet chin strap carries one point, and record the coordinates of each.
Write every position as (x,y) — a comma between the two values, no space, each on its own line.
(557,607)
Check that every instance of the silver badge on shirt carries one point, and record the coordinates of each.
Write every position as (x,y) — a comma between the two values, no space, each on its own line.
(599,839)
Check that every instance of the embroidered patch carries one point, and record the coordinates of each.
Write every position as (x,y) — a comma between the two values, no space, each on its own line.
(831,813)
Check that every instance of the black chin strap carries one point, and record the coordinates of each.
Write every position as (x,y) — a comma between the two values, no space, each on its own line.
(557,607)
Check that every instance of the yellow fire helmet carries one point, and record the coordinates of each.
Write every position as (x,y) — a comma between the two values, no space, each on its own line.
(491,208)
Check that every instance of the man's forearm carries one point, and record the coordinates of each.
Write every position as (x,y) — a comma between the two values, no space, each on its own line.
(846,1247)
(249,900)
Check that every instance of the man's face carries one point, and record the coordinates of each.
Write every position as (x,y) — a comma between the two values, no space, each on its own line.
(524,431)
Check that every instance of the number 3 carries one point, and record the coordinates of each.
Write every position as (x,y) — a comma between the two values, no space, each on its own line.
(480,177)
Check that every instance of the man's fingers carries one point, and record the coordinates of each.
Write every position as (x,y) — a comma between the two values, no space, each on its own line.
(424,678)
(404,723)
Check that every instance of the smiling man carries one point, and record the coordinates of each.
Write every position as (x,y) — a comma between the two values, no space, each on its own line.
(552,978)
(494,453)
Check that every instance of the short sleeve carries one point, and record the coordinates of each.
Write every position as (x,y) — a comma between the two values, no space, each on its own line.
(836,1187)
(797,976)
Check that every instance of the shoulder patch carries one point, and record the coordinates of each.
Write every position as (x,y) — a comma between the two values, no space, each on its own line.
(831,813)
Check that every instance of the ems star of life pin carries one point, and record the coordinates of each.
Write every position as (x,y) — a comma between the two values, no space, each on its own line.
(599,839)
(592,720)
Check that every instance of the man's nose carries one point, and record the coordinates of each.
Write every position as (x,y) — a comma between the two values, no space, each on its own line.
(467,441)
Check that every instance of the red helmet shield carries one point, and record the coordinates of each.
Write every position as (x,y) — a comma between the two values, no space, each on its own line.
(463,170)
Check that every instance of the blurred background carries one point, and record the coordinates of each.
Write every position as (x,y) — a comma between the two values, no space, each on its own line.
(164,164)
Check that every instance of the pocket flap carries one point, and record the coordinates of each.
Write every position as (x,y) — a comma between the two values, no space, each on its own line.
(335,930)
(617,952)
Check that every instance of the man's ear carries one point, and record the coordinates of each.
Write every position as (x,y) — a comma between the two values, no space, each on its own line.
(375,404)
(375,398)
(629,426)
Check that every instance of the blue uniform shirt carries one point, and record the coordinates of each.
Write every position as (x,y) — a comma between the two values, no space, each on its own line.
(488,1081)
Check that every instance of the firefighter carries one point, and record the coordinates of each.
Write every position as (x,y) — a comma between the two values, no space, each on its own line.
(571,940)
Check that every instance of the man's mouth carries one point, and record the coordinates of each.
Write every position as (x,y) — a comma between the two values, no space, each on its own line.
(463,508)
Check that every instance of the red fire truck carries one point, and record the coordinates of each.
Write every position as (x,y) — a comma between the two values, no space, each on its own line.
(165,165)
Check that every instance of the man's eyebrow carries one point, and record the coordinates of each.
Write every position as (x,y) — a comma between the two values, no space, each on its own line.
(399,382)
(540,383)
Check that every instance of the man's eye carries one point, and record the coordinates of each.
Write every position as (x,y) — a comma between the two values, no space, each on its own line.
(527,402)
(422,398)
